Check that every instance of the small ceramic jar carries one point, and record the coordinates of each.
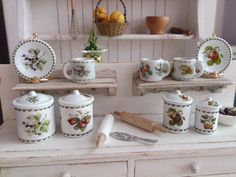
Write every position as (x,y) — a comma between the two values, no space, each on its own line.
(206,116)
(177,112)
(76,112)
(35,117)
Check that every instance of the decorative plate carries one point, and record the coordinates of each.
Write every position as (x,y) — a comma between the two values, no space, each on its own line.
(215,54)
(33,58)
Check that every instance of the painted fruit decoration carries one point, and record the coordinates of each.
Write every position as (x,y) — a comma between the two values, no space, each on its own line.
(145,70)
(36,125)
(213,54)
(185,70)
(79,121)
(208,121)
(176,117)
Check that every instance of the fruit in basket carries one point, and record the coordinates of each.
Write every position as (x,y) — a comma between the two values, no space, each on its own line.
(117,17)
(100,14)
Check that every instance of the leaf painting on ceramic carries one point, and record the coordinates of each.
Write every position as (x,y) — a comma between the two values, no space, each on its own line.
(81,71)
(145,70)
(176,117)
(32,99)
(160,69)
(35,125)
(213,54)
(208,121)
(34,59)
(213,103)
(80,120)
(186,70)
(183,97)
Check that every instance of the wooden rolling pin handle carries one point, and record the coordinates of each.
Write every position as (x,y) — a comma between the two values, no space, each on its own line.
(73,4)
(159,128)
(139,121)
(101,139)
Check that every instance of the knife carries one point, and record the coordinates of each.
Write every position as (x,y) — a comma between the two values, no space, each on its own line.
(128,137)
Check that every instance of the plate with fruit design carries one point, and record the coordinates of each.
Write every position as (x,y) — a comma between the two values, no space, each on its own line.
(33,59)
(215,54)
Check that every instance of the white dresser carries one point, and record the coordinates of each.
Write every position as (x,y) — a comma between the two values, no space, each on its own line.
(189,154)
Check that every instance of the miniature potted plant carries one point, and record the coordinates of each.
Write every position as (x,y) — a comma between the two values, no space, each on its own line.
(92,49)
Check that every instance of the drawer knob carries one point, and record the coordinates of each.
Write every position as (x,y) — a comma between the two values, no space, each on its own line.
(195,168)
(66,175)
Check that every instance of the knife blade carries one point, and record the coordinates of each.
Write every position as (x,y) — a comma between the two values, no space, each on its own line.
(128,137)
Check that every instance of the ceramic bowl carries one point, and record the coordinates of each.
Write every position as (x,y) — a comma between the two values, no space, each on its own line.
(76,112)
(225,119)
(157,24)
(35,117)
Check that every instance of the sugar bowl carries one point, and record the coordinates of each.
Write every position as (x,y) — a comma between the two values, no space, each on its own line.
(177,112)
(76,112)
(206,116)
(35,117)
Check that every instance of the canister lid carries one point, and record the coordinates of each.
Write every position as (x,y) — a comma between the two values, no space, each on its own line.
(33,100)
(208,104)
(75,98)
(177,97)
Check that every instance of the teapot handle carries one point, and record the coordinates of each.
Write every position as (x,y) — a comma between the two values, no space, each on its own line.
(199,70)
(167,66)
(66,67)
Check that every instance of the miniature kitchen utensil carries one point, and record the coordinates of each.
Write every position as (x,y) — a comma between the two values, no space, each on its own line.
(82,70)
(153,70)
(206,116)
(74,27)
(76,111)
(215,54)
(186,68)
(139,121)
(35,117)
(104,129)
(128,137)
(33,58)
(177,111)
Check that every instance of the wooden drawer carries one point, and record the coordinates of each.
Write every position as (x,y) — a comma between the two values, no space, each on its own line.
(185,166)
(116,169)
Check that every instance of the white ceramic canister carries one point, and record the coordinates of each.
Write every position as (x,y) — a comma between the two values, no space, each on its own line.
(76,112)
(177,112)
(35,117)
(206,116)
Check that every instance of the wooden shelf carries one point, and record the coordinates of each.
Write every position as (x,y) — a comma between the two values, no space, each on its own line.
(122,37)
(105,81)
(140,88)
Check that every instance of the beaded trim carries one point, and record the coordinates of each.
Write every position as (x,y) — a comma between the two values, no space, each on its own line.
(205,131)
(78,135)
(32,110)
(72,107)
(178,105)
(176,130)
(35,141)
(208,112)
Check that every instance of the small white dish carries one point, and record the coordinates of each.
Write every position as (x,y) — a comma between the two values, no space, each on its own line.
(33,58)
(224,119)
(215,54)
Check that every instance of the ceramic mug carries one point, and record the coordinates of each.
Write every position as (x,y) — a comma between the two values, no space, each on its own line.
(152,70)
(185,68)
(82,70)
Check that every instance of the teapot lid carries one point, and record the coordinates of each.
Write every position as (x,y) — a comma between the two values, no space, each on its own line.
(177,97)
(75,98)
(33,100)
(208,103)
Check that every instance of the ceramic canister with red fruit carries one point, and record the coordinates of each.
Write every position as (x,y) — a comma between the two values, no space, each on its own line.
(76,111)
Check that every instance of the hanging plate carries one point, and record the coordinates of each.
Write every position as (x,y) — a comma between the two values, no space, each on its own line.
(33,59)
(215,54)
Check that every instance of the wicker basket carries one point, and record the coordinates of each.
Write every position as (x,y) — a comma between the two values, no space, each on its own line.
(111,29)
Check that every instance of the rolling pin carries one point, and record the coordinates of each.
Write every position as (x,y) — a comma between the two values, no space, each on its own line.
(139,121)
(104,129)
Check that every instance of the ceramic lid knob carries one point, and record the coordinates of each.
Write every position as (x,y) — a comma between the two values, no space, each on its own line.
(209,99)
(177,97)
(76,92)
(32,94)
